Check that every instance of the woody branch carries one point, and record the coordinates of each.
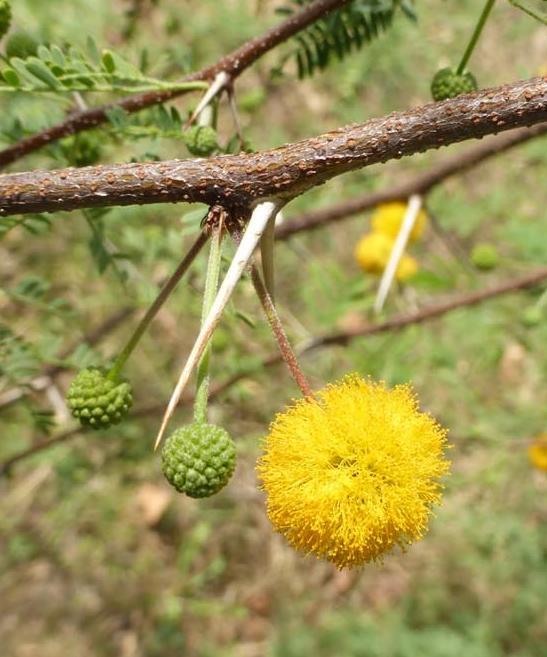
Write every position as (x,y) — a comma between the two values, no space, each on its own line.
(236,181)
(423,183)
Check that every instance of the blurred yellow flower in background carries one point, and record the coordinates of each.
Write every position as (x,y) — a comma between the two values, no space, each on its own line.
(537,452)
(408,266)
(372,254)
(353,471)
(388,218)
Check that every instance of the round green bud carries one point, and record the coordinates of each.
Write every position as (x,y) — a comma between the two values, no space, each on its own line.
(485,256)
(82,150)
(22,45)
(447,83)
(5,17)
(198,459)
(201,140)
(97,401)
(532,316)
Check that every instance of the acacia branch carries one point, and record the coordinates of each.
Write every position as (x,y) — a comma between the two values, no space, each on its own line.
(240,181)
(233,64)
(341,338)
(312,220)
(420,184)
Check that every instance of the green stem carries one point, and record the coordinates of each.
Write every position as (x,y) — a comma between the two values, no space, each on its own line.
(475,36)
(165,292)
(211,286)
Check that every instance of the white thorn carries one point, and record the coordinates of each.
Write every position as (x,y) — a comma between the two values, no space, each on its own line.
(218,84)
(259,219)
(411,214)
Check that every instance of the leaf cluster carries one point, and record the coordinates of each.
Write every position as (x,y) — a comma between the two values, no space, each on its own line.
(54,69)
(343,31)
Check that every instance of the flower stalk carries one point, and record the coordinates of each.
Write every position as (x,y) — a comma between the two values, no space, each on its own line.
(475,36)
(162,297)
(254,231)
(211,286)
(274,320)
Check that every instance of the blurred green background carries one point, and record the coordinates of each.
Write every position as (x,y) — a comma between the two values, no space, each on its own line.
(99,556)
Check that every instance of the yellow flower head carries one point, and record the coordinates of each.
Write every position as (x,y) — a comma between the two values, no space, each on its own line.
(388,217)
(372,254)
(537,452)
(408,266)
(353,472)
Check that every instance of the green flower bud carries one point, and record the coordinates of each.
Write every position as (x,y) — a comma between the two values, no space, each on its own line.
(447,84)
(22,45)
(201,140)
(532,316)
(484,256)
(97,401)
(198,459)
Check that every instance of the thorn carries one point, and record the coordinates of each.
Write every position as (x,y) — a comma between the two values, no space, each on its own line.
(220,82)
(257,224)
(411,214)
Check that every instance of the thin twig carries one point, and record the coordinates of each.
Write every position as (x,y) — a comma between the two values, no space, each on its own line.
(285,348)
(396,323)
(153,310)
(232,64)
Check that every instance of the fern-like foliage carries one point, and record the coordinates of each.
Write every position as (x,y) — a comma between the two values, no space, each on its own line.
(53,69)
(18,358)
(343,31)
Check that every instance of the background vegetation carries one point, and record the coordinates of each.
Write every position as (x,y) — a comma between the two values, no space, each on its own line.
(100,557)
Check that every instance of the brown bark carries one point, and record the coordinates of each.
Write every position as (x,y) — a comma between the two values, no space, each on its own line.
(236,181)
(421,184)
(233,64)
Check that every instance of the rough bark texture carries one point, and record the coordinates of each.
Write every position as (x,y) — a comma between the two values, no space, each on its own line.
(237,181)
(234,64)
(421,184)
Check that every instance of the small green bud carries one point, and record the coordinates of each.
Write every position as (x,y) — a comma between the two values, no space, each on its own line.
(485,256)
(198,459)
(82,150)
(447,83)
(5,17)
(22,45)
(201,140)
(97,401)
(532,316)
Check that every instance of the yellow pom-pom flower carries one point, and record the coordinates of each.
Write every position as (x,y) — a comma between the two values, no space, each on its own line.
(388,217)
(537,452)
(372,254)
(353,471)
